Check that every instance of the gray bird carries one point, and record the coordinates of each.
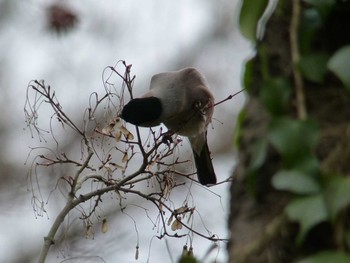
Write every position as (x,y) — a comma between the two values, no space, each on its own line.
(181,101)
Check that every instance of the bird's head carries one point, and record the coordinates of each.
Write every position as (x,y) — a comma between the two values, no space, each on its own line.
(142,111)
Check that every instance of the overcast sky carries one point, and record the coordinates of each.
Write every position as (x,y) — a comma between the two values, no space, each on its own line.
(153,36)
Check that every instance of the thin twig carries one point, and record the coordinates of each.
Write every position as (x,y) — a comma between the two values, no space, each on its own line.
(295,53)
(55,105)
(151,153)
(228,98)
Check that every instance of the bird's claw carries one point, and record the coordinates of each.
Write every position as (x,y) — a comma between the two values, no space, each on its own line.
(167,138)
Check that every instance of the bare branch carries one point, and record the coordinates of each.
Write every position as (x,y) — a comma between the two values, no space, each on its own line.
(107,149)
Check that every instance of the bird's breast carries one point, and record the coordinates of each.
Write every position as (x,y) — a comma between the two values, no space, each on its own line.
(186,124)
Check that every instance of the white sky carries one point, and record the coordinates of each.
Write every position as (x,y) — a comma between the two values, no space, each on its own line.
(152,35)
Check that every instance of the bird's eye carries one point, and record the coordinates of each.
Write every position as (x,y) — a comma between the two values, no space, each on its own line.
(202,109)
(198,105)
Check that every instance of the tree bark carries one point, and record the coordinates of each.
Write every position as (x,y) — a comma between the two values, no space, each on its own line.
(260,231)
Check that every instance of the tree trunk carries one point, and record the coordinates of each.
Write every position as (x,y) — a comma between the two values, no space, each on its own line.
(260,230)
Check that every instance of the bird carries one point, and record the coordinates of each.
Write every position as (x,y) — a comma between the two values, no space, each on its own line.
(182,101)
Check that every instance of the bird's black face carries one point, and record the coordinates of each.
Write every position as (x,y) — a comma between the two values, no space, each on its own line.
(142,110)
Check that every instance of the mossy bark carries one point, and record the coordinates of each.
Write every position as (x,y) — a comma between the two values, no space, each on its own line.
(260,232)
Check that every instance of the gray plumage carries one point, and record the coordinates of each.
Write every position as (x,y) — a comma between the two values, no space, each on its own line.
(181,101)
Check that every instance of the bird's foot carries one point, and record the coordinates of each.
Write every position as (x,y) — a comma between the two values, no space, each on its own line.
(167,137)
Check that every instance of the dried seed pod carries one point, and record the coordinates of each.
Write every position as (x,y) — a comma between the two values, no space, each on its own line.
(105,226)
(118,135)
(89,233)
(176,225)
(125,157)
(137,253)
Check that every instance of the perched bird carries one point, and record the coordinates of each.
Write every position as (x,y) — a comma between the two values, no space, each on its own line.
(181,101)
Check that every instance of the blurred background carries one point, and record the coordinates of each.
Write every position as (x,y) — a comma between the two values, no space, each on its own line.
(69,44)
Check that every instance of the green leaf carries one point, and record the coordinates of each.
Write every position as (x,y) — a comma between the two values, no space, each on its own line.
(327,257)
(238,133)
(187,259)
(347,237)
(323,6)
(264,58)
(308,164)
(295,182)
(293,139)
(308,212)
(275,96)
(248,73)
(259,154)
(339,64)
(251,12)
(314,67)
(310,25)
(337,194)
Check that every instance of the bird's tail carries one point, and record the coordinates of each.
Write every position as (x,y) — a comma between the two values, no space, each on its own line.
(204,165)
